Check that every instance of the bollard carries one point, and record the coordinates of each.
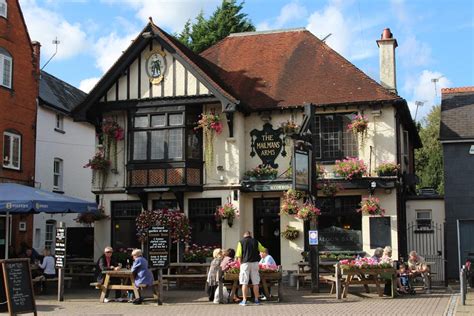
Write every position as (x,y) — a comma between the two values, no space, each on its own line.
(463,285)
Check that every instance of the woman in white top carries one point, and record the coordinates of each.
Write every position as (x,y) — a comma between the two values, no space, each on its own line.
(47,265)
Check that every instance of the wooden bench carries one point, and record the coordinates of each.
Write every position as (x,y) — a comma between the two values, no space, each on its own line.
(331,279)
(43,279)
(155,288)
(300,277)
(189,277)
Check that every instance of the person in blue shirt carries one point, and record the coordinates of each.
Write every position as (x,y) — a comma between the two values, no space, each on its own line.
(266,258)
(140,272)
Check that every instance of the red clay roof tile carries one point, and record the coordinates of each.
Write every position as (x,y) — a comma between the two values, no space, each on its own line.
(457,90)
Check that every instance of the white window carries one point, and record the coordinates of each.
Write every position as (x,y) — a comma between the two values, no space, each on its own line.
(49,234)
(423,219)
(6,63)
(58,174)
(3,8)
(11,150)
(59,122)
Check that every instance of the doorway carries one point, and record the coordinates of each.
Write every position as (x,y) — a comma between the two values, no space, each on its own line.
(266,214)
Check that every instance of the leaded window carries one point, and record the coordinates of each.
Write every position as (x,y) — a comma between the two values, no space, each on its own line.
(205,229)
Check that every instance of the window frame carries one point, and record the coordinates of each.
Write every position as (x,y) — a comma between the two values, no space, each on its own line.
(424,223)
(49,243)
(343,135)
(6,9)
(5,55)
(59,124)
(12,135)
(60,174)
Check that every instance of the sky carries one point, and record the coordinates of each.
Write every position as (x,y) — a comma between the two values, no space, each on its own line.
(435,38)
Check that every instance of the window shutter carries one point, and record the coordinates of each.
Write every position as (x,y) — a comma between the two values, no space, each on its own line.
(7,72)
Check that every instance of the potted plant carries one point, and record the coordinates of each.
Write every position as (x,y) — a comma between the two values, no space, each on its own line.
(262,173)
(91,217)
(350,168)
(289,127)
(210,124)
(371,206)
(358,124)
(290,233)
(228,211)
(308,211)
(387,169)
(329,188)
(290,202)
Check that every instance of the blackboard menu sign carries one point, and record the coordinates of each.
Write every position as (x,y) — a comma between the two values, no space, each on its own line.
(60,248)
(158,247)
(380,232)
(18,286)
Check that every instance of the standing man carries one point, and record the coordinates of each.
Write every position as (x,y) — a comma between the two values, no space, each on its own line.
(248,254)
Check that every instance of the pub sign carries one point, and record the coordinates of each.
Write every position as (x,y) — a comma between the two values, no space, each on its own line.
(267,143)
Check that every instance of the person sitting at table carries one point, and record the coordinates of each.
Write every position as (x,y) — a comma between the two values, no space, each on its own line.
(418,267)
(378,253)
(229,255)
(142,274)
(387,255)
(266,259)
(30,253)
(49,270)
(107,262)
(212,278)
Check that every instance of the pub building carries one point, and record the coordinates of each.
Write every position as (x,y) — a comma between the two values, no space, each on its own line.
(255,83)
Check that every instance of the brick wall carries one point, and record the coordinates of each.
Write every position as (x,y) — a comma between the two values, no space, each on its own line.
(18,106)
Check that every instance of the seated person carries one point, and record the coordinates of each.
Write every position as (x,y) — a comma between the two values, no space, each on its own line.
(378,253)
(107,262)
(229,255)
(266,259)
(418,267)
(403,279)
(142,274)
(49,270)
(387,255)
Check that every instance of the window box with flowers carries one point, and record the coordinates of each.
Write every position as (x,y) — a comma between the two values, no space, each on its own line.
(350,168)
(290,233)
(211,125)
(198,253)
(320,171)
(371,206)
(228,211)
(261,173)
(387,169)
(91,217)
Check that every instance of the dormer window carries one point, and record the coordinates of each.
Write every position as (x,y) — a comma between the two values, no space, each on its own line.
(6,63)
(3,8)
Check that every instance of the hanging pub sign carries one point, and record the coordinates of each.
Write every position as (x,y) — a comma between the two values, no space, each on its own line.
(267,144)
(301,170)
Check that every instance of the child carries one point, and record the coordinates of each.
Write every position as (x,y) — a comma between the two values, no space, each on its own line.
(403,279)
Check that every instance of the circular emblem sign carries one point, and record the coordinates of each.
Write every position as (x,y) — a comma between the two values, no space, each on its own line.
(156,66)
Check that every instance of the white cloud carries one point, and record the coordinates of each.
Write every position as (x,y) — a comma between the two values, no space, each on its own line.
(414,52)
(165,13)
(346,33)
(422,89)
(292,11)
(86,85)
(45,25)
(109,48)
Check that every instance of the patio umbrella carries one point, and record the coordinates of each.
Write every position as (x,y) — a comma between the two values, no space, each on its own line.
(20,199)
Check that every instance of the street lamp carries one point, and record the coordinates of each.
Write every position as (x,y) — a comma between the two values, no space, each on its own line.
(434,81)
(418,104)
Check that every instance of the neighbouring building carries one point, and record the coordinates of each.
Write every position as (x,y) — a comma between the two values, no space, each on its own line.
(19,74)
(63,147)
(457,139)
(255,82)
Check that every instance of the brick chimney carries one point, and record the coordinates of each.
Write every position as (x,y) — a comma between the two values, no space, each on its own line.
(388,73)
(36,56)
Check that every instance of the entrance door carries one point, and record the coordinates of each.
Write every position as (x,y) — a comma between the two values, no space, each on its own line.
(267,225)
(466,240)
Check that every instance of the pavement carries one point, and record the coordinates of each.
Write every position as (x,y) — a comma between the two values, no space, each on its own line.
(442,301)
(468,308)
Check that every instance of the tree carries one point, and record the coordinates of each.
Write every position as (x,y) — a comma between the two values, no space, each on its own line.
(429,159)
(226,19)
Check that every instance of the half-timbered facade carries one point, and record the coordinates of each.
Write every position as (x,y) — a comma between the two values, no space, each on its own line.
(254,82)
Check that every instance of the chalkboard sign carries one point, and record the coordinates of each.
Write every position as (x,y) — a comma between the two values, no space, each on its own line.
(158,247)
(18,286)
(60,248)
(380,232)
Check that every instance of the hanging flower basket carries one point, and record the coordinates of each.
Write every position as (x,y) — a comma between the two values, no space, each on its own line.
(329,188)
(228,211)
(98,162)
(371,206)
(308,211)
(290,233)
(289,128)
(290,202)
(359,124)
(91,217)
(175,221)
(261,173)
(210,125)
(350,168)
(112,132)
(387,169)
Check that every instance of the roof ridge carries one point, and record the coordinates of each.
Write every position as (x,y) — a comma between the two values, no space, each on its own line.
(457,90)
(295,29)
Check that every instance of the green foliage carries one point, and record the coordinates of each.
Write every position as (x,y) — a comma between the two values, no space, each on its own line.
(226,19)
(429,159)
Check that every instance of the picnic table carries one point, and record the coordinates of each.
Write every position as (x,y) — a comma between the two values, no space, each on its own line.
(345,277)
(80,268)
(304,270)
(189,271)
(127,282)
(267,279)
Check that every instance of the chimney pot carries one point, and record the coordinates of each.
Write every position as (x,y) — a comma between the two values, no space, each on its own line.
(386,34)
(387,45)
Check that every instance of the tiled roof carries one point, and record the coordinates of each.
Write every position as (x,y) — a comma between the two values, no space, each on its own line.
(457,113)
(58,94)
(265,70)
